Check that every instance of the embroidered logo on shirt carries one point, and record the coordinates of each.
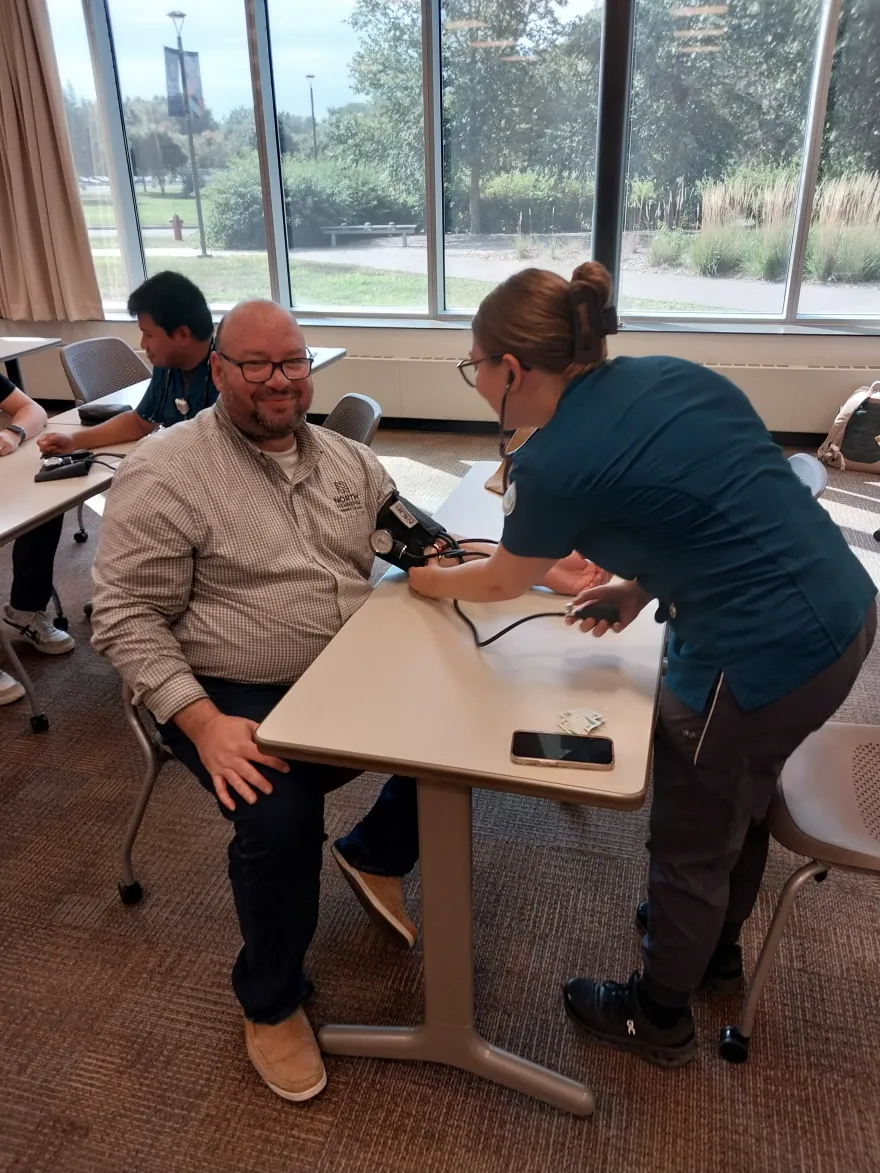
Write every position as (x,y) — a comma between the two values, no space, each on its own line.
(347,499)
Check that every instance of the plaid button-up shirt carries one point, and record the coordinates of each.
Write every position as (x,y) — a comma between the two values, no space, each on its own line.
(211,562)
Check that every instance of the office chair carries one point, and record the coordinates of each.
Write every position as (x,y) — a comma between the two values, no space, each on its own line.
(155,752)
(355,417)
(811,471)
(826,807)
(95,367)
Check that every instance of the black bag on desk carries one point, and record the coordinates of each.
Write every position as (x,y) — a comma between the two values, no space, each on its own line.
(97,413)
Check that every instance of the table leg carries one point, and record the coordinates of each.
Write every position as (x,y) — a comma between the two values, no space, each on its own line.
(13,373)
(447,1034)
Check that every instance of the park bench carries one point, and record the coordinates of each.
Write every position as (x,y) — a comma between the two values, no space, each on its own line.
(401,230)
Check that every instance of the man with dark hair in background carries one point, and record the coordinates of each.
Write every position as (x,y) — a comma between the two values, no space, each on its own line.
(176,335)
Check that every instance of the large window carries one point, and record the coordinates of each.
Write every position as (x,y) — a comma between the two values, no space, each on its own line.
(89,147)
(520,88)
(842,264)
(214,141)
(348,92)
(719,106)
(422,152)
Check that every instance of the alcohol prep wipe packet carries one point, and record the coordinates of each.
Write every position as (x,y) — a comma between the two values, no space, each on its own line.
(580,722)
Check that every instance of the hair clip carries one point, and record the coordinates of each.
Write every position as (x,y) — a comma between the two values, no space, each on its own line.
(591,321)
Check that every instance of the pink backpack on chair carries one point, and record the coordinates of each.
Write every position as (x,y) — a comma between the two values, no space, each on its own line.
(854,440)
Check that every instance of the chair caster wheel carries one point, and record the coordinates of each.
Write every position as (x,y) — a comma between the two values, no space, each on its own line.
(732,1046)
(80,536)
(87,610)
(61,622)
(39,723)
(130,893)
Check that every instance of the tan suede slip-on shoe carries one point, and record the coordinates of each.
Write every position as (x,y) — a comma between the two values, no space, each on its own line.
(382,899)
(287,1056)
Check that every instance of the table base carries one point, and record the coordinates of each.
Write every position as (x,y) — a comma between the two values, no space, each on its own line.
(448,1034)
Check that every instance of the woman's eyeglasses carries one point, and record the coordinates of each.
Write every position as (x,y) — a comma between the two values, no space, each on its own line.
(467,368)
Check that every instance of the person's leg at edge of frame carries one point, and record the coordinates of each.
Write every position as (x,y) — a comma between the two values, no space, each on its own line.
(699,899)
(26,615)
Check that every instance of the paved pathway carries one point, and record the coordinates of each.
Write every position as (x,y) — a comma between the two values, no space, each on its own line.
(721,294)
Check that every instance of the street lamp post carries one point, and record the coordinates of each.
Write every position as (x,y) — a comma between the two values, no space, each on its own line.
(310,77)
(178,18)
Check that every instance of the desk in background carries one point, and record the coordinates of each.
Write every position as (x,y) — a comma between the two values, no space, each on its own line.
(12,349)
(444,714)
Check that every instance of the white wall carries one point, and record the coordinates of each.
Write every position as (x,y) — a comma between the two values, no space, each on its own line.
(796,382)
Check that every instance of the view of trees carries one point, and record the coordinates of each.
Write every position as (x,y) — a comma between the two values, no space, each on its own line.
(717,127)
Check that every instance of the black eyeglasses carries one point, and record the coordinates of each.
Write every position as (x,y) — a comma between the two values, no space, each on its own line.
(261,370)
(467,368)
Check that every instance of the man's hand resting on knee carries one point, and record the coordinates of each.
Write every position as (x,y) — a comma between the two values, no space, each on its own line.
(227,750)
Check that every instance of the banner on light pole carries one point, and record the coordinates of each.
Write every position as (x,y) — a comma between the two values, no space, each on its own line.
(176,108)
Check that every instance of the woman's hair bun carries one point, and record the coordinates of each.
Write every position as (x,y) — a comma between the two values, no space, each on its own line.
(595,276)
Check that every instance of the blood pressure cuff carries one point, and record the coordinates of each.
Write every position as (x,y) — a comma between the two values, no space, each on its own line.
(404,534)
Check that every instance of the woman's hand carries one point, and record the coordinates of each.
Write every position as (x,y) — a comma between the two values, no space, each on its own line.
(9,441)
(574,574)
(423,578)
(627,596)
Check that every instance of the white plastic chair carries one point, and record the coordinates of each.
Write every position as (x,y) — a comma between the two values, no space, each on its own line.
(827,807)
(811,471)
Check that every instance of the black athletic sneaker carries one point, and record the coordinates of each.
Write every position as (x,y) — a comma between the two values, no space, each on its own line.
(610,1013)
(724,973)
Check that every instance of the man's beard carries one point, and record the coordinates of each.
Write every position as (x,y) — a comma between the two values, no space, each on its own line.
(261,428)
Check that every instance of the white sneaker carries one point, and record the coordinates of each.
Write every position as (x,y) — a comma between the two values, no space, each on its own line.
(40,630)
(10,689)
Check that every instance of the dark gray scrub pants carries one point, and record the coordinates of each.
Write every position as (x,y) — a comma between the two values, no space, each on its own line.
(714,776)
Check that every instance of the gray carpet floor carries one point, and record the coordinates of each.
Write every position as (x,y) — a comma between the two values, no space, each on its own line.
(121,1041)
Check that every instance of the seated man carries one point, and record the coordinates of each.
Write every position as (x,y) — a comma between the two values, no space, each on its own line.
(233,548)
(176,334)
(33,554)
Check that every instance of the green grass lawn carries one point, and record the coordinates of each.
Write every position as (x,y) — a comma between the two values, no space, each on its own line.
(154,209)
(226,279)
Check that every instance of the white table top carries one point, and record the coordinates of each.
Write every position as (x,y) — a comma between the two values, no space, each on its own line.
(11,347)
(403,688)
(24,503)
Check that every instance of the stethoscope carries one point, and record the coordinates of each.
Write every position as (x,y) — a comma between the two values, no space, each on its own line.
(182,405)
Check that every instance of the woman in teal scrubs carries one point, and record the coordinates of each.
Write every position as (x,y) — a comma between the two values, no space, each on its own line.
(661,471)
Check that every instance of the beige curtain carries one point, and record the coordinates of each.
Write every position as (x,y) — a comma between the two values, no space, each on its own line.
(46,270)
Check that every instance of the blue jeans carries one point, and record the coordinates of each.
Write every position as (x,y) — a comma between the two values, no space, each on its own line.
(275,854)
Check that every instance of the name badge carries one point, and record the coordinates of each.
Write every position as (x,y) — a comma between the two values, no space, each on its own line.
(182,406)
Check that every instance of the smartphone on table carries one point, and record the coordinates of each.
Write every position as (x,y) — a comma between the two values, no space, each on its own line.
(562,749)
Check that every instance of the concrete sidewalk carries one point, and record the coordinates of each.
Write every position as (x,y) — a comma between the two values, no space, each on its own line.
(707,294)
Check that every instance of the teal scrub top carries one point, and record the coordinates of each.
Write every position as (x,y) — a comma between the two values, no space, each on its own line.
(166,393)
(661,470)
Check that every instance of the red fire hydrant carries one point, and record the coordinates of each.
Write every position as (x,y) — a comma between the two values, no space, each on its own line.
(176,226)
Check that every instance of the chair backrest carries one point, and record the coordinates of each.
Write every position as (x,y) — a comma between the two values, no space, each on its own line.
(811,471)
(830,794)
(97,366)
(356,417)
